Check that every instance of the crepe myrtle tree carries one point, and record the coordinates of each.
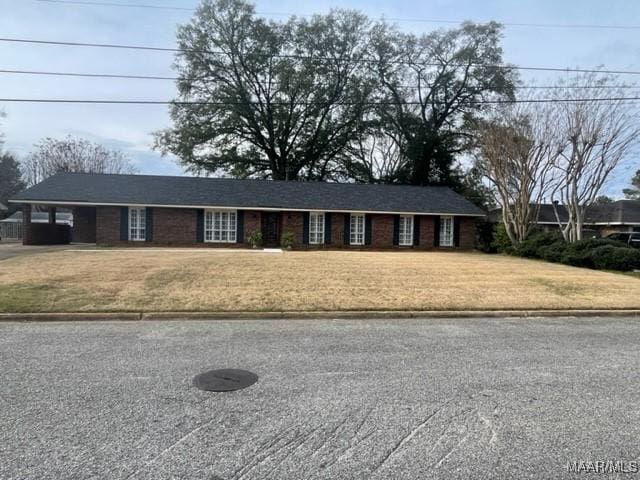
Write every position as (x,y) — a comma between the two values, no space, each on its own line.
(598,135)
(267,99)
(516,150)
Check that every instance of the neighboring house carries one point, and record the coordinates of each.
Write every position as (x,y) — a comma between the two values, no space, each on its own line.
(141,209)
(600,219)
(3,209)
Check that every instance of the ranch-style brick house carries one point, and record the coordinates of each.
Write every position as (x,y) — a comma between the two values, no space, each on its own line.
(139,210)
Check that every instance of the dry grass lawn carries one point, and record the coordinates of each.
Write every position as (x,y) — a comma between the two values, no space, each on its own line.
(215,280)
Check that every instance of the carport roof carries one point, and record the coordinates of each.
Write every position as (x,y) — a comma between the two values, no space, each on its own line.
(106,189)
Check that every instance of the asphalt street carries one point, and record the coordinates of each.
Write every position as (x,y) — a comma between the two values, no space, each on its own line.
(380,399)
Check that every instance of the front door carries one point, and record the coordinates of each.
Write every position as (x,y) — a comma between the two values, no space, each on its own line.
(271,229)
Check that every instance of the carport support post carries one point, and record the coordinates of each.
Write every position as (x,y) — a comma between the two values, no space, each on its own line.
(52,215)
(26,225)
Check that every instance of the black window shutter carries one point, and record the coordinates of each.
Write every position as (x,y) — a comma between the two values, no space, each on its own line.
(416,230)
(124,224)
(200,226)
(456,231)
(367,229)
(436,231)
(240,226)
(327,228)
(148,216)
(396,229)
(305,228)
(347,229)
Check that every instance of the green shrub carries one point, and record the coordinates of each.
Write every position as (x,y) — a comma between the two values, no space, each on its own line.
(599,253)
(581,258)
(580,253)
(591,243)
(531,246)
(255,239)
(287,240)
(553,252)
(609,257)
(501,242)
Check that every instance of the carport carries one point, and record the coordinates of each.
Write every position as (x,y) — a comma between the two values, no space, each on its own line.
(56,232)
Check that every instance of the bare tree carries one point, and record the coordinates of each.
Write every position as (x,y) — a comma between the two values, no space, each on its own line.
(375,157)
(72,155)
(516,150)
(599,134)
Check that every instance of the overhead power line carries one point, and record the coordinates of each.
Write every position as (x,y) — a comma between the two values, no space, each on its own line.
(230,103)
(306,57)
(90,75)
(167,78)
(391,19)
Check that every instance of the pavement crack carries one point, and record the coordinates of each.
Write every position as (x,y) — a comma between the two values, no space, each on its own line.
(489,424)
(172,446)
(407,438)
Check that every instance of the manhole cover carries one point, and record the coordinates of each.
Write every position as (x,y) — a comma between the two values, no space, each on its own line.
(224,380)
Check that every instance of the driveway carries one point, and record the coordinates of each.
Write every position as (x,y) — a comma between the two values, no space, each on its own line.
(409,399)
(12,250)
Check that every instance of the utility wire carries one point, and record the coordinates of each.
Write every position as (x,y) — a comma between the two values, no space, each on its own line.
(391,19)
(306,57)
(231,103)
(157,77)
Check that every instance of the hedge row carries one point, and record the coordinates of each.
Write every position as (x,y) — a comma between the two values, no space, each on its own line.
(598,253)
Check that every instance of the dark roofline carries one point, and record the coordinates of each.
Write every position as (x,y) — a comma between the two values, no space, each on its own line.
(254,194)
(245,180)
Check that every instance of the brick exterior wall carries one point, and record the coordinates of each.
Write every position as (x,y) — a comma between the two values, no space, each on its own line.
(108,225)
(84,225)
(467,233)
(177,226)
(382,231)
(252,223)
(427,226)
(337,230)
(293,222)
(174,226)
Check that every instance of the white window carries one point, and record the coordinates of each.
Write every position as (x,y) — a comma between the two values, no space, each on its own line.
(357,229)
(316,228)
(405,237)
(446,231)
(137,224)
(220,226)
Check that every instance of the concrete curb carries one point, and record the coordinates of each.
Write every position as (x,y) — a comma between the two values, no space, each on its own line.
(305,315)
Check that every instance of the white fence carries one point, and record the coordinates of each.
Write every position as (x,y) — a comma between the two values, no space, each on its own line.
(11,232)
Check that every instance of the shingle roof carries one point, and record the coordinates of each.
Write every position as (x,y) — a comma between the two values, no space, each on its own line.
(624,212)
(223,192)
(3,207)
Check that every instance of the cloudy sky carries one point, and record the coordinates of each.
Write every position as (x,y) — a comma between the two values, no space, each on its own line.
(129,127)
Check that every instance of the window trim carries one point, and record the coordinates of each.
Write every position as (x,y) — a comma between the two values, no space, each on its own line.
(450,242)
(320,232)
(351,231)
(137,228)
(408,235)
(209,233)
